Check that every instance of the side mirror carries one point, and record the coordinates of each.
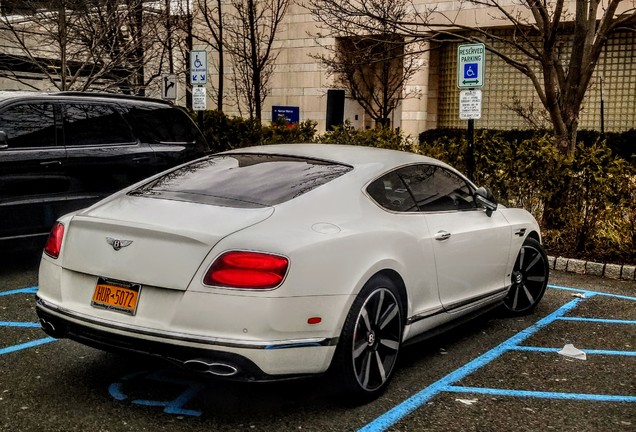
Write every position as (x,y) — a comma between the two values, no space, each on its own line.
(484,198)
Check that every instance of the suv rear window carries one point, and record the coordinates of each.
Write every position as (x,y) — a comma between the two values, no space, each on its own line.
(155,125)
(243,180)
(88,124)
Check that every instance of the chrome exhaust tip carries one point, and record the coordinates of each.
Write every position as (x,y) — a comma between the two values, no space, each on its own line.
(49,328)
(214,368)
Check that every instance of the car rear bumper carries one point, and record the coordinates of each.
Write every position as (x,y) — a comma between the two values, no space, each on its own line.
(223,358)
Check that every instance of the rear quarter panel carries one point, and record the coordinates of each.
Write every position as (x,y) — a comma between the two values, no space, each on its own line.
(360,240)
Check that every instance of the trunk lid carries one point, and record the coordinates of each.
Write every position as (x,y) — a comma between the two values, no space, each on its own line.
(168,239)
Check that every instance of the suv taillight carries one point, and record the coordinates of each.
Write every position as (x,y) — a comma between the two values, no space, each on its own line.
(54,242)
(247,270)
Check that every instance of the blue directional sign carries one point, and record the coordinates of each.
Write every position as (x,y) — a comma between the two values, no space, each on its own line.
(198,67)
(289,113)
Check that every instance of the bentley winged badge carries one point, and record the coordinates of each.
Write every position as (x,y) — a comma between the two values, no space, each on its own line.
(117,243)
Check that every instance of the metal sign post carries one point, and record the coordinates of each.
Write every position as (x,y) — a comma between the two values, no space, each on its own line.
(471,70)
(199,78)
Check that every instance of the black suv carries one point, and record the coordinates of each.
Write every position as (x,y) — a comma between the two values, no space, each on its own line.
(60,152)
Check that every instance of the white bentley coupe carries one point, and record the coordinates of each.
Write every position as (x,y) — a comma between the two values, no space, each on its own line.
(281,261)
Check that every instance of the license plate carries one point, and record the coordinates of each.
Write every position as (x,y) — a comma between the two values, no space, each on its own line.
(116,296)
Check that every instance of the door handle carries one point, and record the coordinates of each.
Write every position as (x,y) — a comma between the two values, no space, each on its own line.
(47,163)
(442,235)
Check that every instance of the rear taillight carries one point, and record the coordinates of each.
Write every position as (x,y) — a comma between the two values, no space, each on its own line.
(54,242)
(247,270)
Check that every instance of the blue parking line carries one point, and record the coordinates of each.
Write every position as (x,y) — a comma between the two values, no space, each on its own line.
(544,395)
(598,320)
(589,293)
(587,351)
(19,324)
(30,290)
(400,411)
(175,406)
(26,345)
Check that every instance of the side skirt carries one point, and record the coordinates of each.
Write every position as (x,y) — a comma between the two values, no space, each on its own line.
(443,328)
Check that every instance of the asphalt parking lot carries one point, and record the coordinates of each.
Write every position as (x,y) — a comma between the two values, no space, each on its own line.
(494,374)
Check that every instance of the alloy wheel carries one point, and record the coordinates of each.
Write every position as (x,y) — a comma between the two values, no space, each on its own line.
(376,339)
(529,278)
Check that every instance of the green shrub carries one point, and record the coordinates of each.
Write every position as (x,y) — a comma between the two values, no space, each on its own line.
(281,132)
(591,197)
(225,133)
(379,137)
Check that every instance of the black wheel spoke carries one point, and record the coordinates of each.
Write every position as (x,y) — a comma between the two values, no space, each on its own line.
(528,295)
(391,344)
(360,348)
(380,366)
(379,309)
(536,278)
(389,315)
(533,262)
(366,370)
(514,302)
(365,319)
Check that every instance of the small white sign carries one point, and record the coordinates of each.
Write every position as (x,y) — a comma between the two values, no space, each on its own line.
(198,67)
(169,86)
(199,98)
(469,104)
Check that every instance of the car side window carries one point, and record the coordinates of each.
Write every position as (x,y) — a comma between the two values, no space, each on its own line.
(29,125)
(94,124)
(437,189)
(391,193)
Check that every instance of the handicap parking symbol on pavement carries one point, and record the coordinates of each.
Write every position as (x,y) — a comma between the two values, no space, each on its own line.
(471,70)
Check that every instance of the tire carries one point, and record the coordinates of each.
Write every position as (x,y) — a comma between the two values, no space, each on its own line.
(370,342)
(529,279)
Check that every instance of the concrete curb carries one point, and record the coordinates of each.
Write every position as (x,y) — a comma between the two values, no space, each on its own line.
(611,271)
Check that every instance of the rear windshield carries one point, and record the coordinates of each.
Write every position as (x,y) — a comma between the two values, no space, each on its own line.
(243,180)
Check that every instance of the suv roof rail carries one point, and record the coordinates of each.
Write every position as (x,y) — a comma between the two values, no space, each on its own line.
(111,96)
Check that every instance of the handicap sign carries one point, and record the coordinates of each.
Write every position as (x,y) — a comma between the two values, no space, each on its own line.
(198,67)
(471,70)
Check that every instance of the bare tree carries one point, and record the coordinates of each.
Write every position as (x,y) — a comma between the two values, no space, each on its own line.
(373,70)
(371,60)
(44,41)
(532,114)
(251,29)
(176,37)
(80,45)
(556,44)
(112,32)
(167,40)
